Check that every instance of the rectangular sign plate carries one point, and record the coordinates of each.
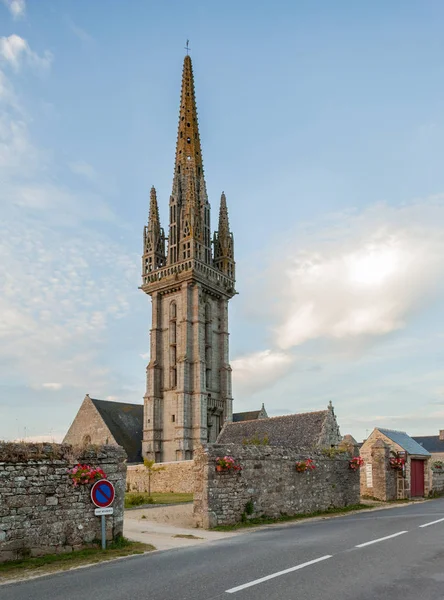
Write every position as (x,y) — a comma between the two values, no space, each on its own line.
(104,511)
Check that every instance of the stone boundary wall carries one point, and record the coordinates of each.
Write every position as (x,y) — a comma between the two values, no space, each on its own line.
(437,482)
(41,512)
(176,477)
(436,477)
(270,482)
(378,479)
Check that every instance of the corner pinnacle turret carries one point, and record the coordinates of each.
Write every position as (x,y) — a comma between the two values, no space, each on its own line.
(153,238)
(224,242)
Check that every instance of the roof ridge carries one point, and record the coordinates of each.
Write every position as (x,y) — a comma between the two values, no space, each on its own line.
(114,402)
(313,412)
(393,430)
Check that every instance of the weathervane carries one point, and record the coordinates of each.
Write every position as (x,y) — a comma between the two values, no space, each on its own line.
(187,46)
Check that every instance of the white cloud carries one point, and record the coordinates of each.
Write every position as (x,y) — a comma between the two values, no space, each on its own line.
(145,356)
(52,386)
(7,95)
(363,277)
(80,33)
(61,283)
(17,8)
(45,386)
(55,438)
(259,369)
(343,284)
(14,50)
(84,169)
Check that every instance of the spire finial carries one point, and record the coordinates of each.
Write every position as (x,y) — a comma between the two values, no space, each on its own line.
(187,47)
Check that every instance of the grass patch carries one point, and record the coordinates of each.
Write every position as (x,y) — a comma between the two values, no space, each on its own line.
(187,536)
(133,499)
(30,567)
(264,520)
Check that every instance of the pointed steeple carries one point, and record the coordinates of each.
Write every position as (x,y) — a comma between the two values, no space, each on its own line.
(153,238)
(224,242)
(188,150)
(190,233)
(154,208)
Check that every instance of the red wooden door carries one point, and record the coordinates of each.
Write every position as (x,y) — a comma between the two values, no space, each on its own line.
(417,478)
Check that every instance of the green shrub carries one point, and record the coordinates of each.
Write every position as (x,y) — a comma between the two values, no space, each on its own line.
(137,500)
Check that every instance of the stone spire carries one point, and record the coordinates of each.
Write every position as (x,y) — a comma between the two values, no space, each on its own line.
(189,234)
(153,238)
(224,242)
(188,151)
(153,218)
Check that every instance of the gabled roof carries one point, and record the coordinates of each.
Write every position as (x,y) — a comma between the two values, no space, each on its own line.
(125,422)
(431,443)
(298,431)
(405,441)
(246,416)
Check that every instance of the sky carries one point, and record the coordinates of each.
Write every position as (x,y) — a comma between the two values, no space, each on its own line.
(323,124)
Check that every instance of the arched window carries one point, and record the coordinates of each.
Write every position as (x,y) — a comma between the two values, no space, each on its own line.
(86,441)
(208,345)
(173,347)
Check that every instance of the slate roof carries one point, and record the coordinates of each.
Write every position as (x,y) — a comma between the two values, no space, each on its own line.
(125,422)
(246,416)
(297,431)
(431,443)
(405,441)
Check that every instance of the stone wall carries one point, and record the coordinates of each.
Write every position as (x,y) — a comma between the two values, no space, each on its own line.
(176,477)
(378,479)
(269,483)
(436,477)
(41,512)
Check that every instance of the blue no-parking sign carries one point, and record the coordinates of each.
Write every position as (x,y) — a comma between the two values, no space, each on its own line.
(102,493)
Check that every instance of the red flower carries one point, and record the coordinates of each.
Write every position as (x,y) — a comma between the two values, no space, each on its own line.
(84,474)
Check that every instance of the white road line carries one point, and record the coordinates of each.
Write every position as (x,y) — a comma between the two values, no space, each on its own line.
(387,537)
(432,523)
(278,574)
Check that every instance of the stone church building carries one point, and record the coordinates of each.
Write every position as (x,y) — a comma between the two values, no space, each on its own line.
(190,276)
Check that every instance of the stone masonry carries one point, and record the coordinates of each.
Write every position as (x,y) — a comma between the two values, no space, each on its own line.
(177,476)
(378,479)
(188,394)
(41,512)
(270,482)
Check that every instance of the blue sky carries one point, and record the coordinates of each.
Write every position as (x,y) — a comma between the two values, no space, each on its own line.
(322,122)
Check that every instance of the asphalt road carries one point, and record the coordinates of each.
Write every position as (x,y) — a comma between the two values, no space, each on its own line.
(334,558)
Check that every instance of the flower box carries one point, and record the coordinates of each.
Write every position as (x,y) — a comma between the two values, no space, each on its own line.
(397,463)
(303,466)
(356,463)
(84,474)
(227,463)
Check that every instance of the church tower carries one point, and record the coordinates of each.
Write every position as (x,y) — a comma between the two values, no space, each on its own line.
(188,392)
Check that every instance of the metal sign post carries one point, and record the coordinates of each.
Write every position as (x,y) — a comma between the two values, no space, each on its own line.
(102,495)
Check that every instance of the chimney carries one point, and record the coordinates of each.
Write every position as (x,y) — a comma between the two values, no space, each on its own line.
(441,435)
